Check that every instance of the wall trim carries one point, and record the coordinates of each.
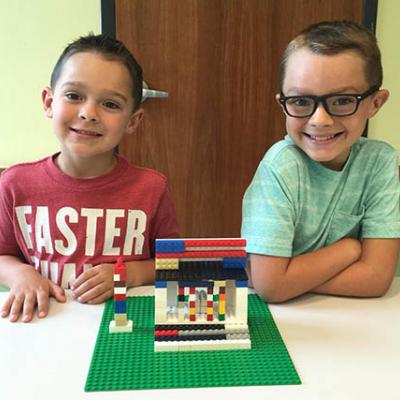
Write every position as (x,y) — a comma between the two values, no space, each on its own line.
(108,23)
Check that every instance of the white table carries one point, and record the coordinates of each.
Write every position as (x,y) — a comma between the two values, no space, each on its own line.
(342,348)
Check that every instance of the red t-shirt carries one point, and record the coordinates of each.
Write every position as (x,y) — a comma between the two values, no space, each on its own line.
(63,225)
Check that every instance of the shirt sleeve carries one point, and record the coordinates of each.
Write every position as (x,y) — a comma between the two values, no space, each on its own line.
(8,242)
(382,212)
(268,221)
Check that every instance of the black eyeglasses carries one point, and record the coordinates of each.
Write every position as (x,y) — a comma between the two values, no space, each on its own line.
(335,104)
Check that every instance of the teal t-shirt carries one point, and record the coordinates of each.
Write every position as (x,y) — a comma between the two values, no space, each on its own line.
(295,205)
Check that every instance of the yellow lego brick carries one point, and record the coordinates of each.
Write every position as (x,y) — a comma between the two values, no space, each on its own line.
(167,263)
(120,319)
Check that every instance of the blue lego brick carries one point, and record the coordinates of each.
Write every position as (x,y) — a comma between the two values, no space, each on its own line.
(160,284)
(239,263)
(242,283)
(170,246)
(120,307)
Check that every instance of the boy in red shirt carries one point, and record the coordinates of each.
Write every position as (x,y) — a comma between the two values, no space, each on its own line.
(65,219)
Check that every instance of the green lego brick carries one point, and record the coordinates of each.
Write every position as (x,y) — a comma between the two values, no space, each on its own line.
(127,361)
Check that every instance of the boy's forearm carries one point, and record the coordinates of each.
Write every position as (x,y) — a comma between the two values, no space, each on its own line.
(140,273)
(322,265)
(9,268)
(370,276)
(277,280)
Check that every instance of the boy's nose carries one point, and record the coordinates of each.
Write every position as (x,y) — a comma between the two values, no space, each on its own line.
(88,112)
(321,117)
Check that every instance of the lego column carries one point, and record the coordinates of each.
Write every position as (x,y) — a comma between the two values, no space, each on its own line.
(120,322)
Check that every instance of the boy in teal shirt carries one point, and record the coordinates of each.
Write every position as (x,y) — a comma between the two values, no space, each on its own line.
(322,213)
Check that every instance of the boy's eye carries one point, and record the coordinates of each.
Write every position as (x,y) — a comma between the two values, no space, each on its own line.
(112,105)
(342,100)
(72,96)
(300,102)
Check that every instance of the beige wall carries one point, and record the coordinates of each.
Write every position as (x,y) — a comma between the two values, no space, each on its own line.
(32,35)
(385,125)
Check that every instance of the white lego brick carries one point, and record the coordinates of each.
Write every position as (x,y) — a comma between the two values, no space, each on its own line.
(238,336)
(241,303)
(204,345)
(113,328)
(116,277)
(236,328)
(119,290)
(165,346)
(160,305)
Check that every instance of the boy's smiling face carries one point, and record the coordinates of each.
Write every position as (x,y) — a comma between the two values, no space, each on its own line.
(322,137)
(91,106)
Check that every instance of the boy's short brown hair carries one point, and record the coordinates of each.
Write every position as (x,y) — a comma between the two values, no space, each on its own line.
(334,37)
(109,48)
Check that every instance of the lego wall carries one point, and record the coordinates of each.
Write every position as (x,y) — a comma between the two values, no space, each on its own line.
(33,33)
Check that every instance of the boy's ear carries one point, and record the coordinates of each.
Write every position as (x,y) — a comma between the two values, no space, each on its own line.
(47,100)
(136,117)
(378,101)
(277,97)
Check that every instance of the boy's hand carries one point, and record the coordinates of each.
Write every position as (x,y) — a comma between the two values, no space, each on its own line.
(28,291)
(95,285)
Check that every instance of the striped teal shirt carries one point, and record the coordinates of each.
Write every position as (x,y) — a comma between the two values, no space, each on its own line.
(295,205)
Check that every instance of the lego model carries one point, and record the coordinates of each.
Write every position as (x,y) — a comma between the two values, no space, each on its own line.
(120,322)
(201,294)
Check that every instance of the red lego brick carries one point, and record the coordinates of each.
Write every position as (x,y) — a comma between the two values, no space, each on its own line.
(120,268)
(169,332)
(215,242)
(119,297)
(205,254)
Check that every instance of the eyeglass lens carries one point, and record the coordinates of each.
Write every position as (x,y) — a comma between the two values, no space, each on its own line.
(336,105)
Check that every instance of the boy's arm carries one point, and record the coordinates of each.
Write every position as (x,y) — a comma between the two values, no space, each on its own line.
(96,285)
(278,279)
(371,275)
(139,273)
(28,289)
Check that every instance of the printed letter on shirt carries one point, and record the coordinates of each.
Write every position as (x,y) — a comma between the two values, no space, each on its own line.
(62,215)
(134,230)
(26,229)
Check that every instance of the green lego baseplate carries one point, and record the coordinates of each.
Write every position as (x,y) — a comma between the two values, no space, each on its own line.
(127,361)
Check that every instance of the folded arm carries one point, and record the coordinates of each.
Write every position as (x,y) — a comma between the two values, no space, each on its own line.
(346,268)
(371,275)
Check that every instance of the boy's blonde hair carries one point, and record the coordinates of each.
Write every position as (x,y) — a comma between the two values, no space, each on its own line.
(334,37)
